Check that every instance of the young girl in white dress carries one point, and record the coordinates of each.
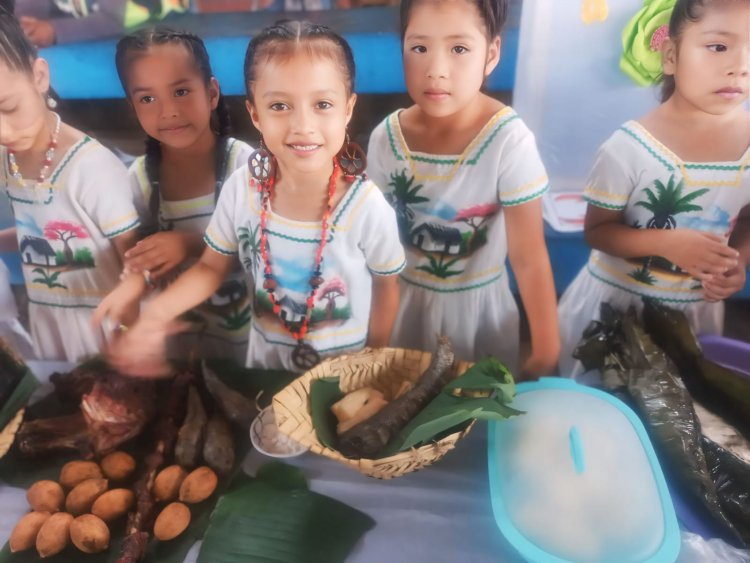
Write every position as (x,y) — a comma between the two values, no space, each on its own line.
(72,204)
(666,191)
(317,239)
(464,176)
(189,155)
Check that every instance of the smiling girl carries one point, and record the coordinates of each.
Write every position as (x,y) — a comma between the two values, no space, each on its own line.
(317,239)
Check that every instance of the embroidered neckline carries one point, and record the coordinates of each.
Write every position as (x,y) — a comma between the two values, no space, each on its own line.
(488,131)
(643,136)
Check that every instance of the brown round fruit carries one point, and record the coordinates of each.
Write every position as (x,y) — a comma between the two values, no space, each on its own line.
(83,495)
(118,466)
(89,533)
(199,485)
(172,521)
(45,496)
(75,472)
(54,534)
(24,534)
(113,504)
(167,483)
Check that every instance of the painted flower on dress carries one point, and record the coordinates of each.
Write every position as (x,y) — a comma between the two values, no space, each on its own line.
(642,39)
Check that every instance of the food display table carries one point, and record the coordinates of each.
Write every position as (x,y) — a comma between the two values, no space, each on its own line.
(441,514)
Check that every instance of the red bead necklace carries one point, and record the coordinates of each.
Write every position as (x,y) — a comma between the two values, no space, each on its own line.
(304,356)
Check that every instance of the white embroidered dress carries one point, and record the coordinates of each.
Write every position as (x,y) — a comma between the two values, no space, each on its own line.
(363,242)
(450,214)
(634,173)
(223,321)
(65,227)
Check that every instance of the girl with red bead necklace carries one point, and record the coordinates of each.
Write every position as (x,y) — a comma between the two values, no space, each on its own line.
(72,204)
(317,239)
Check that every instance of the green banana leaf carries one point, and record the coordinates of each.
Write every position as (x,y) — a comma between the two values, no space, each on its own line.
(444,415)
(447,412)
(323,394)
(276,518)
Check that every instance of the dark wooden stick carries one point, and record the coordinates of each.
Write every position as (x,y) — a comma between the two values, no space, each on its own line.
(165,434)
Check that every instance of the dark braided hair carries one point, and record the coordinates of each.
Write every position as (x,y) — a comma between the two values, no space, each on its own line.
(286,37)
(8,6)
(16,50)
(684,11)
(494,13)
(136,45)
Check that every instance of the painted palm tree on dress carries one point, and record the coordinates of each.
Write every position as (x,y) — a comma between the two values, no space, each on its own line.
(249,241)
(667,201)
(403,195)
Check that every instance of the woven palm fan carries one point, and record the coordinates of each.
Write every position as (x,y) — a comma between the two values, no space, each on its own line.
(383,369)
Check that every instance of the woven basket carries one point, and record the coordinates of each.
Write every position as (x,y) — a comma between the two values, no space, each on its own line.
(8,434)
(383,369)
(12,360)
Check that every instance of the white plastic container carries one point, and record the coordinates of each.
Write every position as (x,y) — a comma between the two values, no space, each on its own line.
(576,479)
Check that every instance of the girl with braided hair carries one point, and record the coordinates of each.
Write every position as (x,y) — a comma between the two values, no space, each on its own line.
(167,78)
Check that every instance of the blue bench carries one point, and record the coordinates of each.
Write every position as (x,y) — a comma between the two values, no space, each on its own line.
(87,70)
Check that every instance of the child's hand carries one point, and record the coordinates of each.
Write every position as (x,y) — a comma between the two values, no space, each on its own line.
(122,304)
(40,32)
(719,288)
(140,350)
(700,254)
(158,254)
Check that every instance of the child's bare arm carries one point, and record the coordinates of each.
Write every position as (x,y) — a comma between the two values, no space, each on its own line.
(529,259)
(8,240)
(121,305)
(192,288)
(125,242)
(162,252)
(383,310)
(700,254)
(140,350)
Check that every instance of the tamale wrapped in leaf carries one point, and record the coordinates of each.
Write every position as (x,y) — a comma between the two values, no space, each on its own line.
(720,389)
(732,478)
(632,361)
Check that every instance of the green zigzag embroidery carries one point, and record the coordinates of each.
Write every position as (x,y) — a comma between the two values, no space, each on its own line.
(470,162)
(350,197)
(67,160)
(648,148)
(691,166)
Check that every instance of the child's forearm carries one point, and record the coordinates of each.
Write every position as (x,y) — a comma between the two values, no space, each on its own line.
(8,240)
(191,289)
(383,310)
(622,241)
(194,244)
(537,288)
(740,238)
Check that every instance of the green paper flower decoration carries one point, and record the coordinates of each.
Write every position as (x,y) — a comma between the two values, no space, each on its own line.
(642,39)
